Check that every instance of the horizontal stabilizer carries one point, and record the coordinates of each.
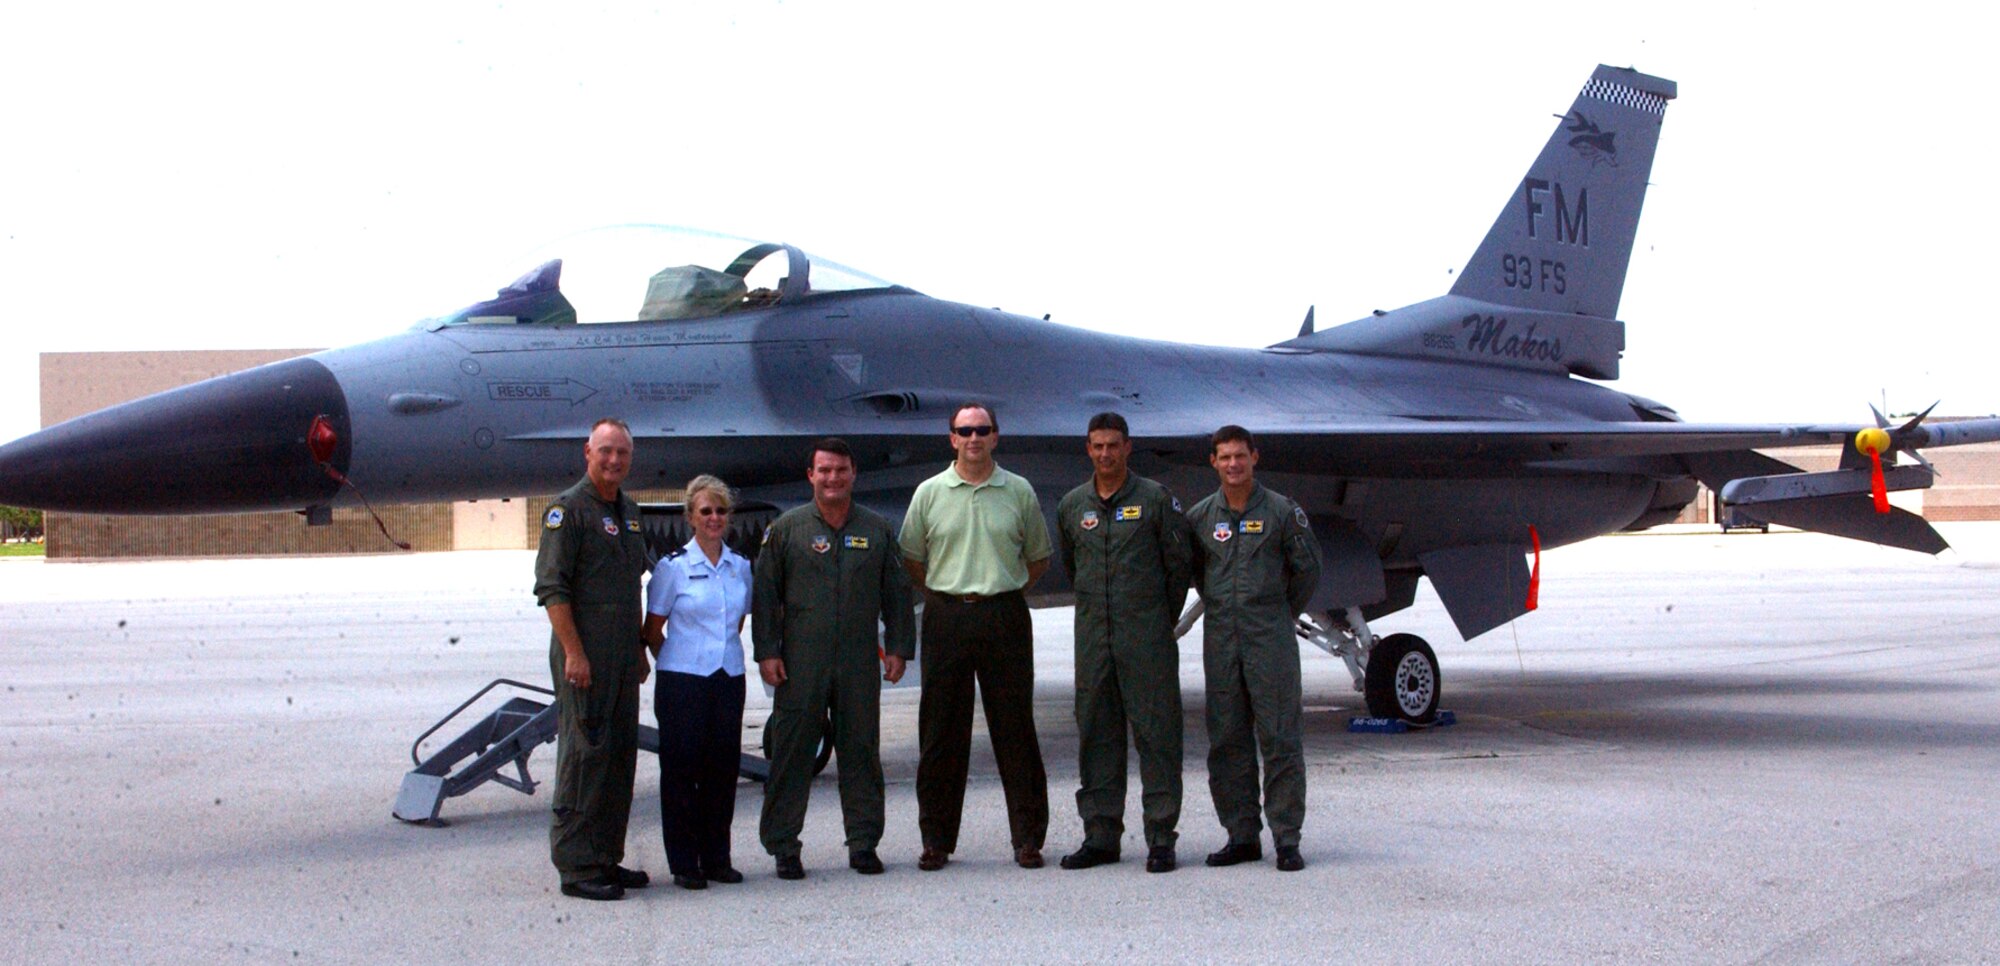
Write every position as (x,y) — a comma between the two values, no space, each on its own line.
(1482,587)
(1853,516)
(1836,502)
(1756,490)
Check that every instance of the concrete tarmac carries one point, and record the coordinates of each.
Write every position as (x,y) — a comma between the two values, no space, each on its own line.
(1748,748)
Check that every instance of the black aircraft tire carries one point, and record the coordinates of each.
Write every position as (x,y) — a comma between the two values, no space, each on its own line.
(1403,680)
(825,745)
(825,754)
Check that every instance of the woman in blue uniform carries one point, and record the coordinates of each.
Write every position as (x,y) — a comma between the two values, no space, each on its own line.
(695,606)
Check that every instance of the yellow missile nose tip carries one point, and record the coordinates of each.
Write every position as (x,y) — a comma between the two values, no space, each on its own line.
(1872,440)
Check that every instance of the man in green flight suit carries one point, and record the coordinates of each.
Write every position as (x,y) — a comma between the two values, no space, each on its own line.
(1126,546)
(1256,564)
(827,573)
(593,554)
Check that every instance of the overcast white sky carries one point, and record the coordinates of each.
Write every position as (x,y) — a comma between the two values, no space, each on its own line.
(202,175)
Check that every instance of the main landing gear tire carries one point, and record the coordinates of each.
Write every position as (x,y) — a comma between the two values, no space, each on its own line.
(1403,679)
(825,752)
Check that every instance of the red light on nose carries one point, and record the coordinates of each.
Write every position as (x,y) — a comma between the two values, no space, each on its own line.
(321,439)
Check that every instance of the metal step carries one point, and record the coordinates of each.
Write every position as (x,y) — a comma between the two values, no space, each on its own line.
(506,736)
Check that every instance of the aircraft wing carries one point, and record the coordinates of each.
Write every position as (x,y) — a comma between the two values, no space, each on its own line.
(1330,444)
(1849,501)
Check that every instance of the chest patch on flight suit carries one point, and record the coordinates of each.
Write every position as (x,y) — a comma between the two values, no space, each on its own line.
(854,543)
(820,543)
(554,518)
(610,526)
(1223,533)
(1253,526)
(632,526)
(1128,513)
(1089,521)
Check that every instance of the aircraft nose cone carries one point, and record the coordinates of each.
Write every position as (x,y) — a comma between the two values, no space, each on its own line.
(233,444)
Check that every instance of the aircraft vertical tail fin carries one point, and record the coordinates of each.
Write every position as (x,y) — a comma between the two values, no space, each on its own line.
(1564,238)
(1541,293)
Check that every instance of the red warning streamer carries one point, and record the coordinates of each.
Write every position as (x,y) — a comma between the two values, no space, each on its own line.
(1880,489)
(1535,574)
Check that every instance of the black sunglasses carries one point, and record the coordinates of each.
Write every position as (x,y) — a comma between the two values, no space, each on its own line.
(713,511)
(970,431)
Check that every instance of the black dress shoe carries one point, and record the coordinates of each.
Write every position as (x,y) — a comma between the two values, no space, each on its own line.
(690,882)
(1289,859)
(629,878)
(1088,857)
(1028,857)
(1160,858)
(727,875)
(932,859)
(598,889)
(789,867)
(1235,852)
(865,861)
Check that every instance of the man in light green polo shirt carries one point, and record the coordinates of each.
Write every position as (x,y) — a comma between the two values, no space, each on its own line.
(974,539)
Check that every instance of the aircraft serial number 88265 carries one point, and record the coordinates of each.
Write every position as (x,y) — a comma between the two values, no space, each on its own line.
(1450,439)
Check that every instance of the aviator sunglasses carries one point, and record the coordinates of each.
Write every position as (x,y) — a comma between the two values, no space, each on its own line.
(713,511)
(970,431)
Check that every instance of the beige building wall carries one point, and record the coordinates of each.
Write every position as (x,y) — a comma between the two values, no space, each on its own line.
(488,524)
(95,536)
(75,383)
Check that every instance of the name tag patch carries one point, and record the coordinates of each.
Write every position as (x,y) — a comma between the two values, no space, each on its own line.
(1128,513)
(632,526)
(1253,526)
(854,543)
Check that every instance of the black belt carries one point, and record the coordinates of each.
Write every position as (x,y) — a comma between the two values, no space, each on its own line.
(969,599)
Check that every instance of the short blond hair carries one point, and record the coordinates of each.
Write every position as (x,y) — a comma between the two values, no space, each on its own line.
(710,486)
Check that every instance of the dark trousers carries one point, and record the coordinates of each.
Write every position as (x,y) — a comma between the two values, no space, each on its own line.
(701,740)
(991,641)
(597,753)
(853,693)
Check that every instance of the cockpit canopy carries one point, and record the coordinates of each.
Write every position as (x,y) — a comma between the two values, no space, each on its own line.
(658,273)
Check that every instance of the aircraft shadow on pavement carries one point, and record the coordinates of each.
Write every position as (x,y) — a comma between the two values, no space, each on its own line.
(1737,709)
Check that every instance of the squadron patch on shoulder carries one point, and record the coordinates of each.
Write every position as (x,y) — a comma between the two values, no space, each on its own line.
(1177,503)
(854,543)
(1089,521)
(1129,512)
(820,543)
(1299,516)
(1223,533)
(554,518)
(1253,526)
(766,538)
(610,526)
